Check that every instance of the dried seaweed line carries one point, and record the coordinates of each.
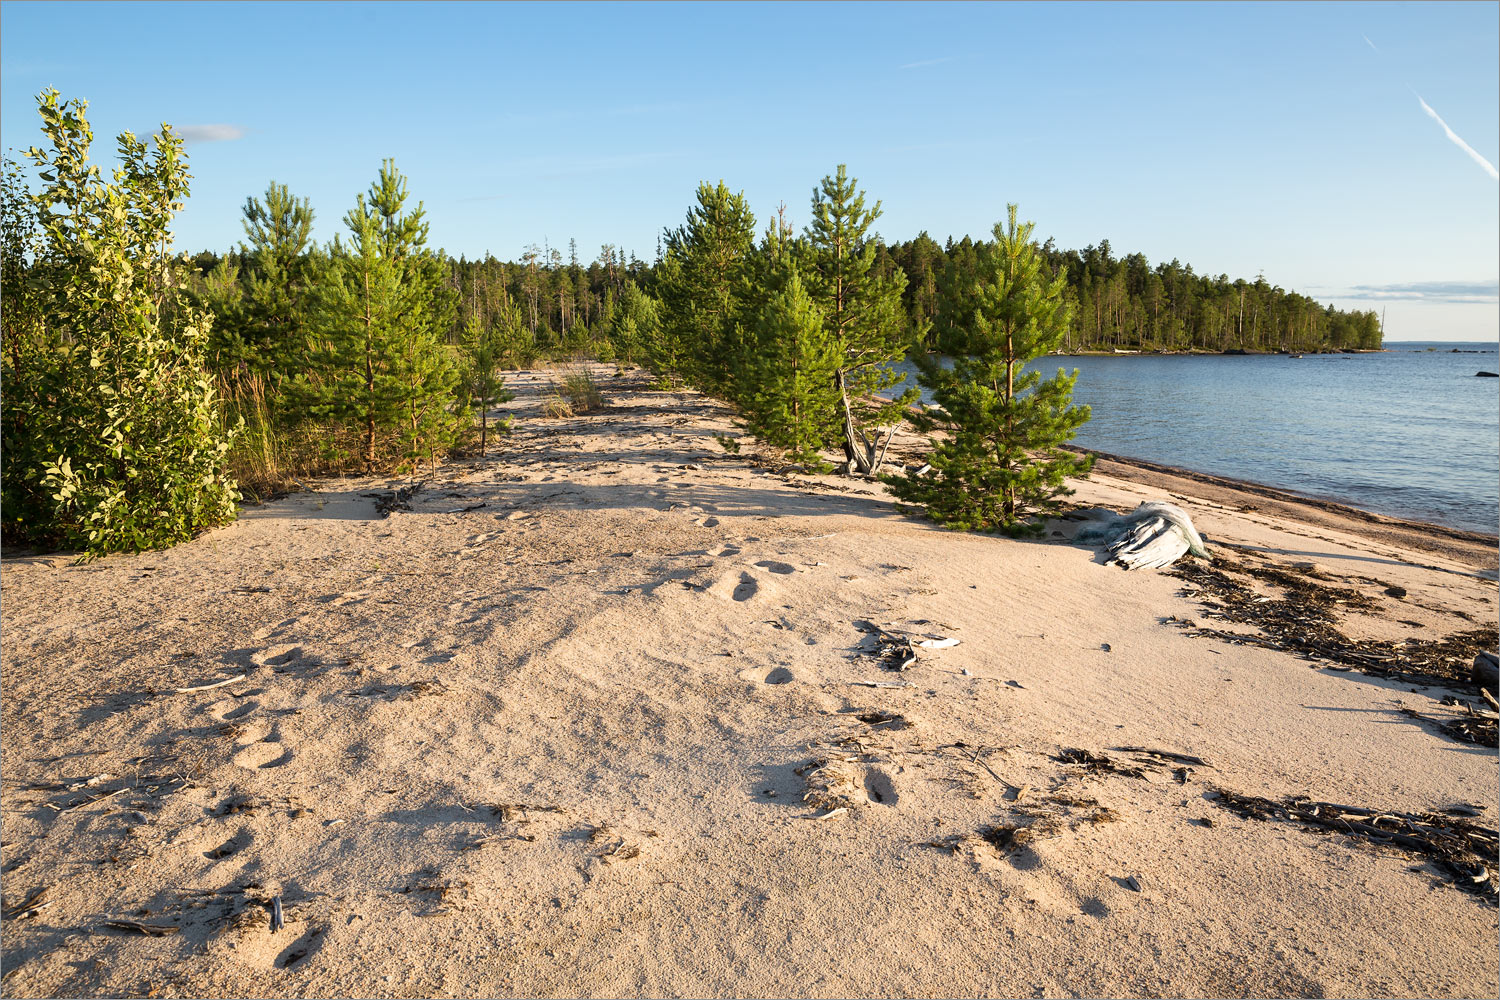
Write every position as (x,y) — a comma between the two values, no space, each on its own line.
(1305,625)
(1463,851)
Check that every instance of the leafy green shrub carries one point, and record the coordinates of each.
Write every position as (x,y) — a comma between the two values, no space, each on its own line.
(111,428)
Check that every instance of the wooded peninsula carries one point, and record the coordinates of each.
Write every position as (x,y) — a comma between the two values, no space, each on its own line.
(146,390)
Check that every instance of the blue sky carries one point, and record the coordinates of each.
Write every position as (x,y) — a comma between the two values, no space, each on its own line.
(1287,139)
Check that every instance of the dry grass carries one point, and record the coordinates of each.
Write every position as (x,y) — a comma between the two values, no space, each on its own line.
(268,456)
(573,394)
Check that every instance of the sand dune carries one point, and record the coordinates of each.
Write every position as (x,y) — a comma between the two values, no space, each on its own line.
(590,720)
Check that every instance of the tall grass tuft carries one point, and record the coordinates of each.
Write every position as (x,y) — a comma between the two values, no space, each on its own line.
(575,393)
(272,452)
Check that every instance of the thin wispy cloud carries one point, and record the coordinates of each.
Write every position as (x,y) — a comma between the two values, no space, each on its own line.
(1453,136)
(568,165)
(1370,43)
(554,116)
(192,134)
(1430,291)
(919,64)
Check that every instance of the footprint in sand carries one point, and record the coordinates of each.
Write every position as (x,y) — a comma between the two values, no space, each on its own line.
(738,586)
(241,710)
(760,675)
(266,753)
(879,787)
(251,733)
(233,845)
(257,946)
(747,588)
(777,567)
(300,950)
(278,655)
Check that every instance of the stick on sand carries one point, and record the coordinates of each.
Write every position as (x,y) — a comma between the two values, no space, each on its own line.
(208,687)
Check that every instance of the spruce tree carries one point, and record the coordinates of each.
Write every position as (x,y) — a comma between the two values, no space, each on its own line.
(999,466)
(863,314)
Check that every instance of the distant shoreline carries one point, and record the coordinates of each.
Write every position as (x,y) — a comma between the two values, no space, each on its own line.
(1234,353)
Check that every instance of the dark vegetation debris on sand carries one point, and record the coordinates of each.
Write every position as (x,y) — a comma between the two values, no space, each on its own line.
(1463,851)
(1305,621)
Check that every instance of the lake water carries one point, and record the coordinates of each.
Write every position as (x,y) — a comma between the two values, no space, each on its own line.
(1411,433)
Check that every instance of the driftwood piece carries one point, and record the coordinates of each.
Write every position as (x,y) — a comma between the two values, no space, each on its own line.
(1486,673)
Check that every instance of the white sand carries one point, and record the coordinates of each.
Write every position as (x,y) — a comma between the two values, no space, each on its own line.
(637,660)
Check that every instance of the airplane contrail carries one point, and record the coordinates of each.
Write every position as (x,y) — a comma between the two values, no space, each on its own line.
(1489,167)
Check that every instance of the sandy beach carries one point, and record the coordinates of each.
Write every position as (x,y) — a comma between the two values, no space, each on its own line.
(595,717)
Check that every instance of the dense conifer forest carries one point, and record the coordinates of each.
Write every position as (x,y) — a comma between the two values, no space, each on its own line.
(1120,303)
(143,387)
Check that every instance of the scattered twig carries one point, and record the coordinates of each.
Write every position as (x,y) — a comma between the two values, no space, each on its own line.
(1180,758)
(830,814)
(31,905)
(150,930)
(209,687)
(88,802)
(893,651)
(396,500)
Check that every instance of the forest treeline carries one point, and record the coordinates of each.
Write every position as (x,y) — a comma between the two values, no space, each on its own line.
(144,390)
(1119,303)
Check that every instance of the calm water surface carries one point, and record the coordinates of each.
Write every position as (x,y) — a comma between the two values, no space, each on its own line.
(1410,432)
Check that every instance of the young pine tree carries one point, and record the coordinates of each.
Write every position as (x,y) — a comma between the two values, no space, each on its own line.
(269,329)
(637,325)
(378,360)
(864,316)
(699,285)
(481,386)
(1000,467)
(790,397)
